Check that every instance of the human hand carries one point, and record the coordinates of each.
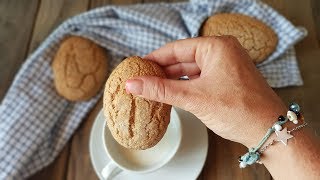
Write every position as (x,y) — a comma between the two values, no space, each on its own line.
(226,91)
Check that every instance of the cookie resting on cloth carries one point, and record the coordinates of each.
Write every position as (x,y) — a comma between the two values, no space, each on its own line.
(255,36)
(79,68)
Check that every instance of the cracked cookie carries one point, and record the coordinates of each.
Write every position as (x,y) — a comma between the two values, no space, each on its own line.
(79,68)
(134,122)
(256,37)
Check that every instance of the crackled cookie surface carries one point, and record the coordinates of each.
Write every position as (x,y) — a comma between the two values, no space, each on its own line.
(79,68)
(134,122)
(256,37)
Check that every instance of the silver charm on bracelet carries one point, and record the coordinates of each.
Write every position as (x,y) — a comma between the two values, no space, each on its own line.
(283,136)
(278,139)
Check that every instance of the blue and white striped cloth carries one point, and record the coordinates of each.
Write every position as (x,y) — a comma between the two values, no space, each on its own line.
(35,122)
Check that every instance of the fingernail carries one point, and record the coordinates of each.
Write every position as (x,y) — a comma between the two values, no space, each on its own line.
(134,86)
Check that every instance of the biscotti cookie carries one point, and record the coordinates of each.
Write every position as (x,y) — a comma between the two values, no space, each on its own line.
(256,37)
(79,68)
(134,122)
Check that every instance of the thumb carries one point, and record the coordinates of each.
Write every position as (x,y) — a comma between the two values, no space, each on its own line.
(173,92)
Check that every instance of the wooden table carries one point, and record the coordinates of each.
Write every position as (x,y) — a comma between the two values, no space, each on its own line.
(26,23)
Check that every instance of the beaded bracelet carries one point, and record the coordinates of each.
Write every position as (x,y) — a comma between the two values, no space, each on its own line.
(253,155)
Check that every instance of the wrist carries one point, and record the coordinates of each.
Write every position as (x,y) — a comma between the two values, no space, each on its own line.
(280,127)
(260,126)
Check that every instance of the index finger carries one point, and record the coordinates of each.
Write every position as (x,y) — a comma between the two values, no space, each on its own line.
(176,52)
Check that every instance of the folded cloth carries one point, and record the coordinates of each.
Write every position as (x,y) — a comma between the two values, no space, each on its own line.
(35,122)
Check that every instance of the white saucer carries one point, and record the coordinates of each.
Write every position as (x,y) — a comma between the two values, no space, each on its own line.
(186,164)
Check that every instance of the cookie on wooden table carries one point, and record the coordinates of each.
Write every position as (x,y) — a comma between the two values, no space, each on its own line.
(134,122)
(255,36)
(79,68)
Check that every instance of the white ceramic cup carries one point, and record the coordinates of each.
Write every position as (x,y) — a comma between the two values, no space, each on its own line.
(142,161)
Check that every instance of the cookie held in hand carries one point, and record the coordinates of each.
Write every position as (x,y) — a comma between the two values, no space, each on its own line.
(134,122)
(79,68)
(256,37)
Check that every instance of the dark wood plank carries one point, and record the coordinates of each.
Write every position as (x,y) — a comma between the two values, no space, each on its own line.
(315,5)
(50,15)
(16,22)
